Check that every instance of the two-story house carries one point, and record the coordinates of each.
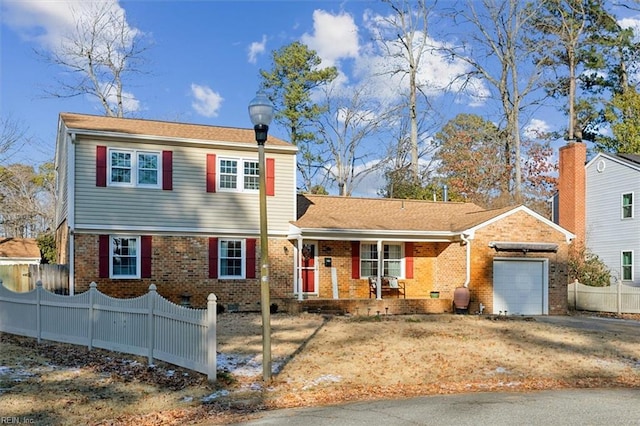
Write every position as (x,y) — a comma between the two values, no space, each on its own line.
(597,203)
(176,205)
(172,204)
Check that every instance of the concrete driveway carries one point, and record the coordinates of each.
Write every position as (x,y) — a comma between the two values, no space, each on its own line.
(584,322)
(559,408)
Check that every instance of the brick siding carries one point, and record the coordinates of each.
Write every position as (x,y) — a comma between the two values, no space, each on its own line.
(180,265)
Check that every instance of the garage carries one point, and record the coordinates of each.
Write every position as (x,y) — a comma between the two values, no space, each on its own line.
(520,286)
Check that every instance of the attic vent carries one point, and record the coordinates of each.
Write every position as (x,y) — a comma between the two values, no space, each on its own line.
(524,247)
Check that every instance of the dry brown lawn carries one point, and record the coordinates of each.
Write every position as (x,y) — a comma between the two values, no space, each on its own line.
(318,360)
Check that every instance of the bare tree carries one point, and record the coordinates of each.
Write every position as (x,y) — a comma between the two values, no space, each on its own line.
(502,52)
(101,53)
(351,116)
(404,36)
(26,200)
(12,137)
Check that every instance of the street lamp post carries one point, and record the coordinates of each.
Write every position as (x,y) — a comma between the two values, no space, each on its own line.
(261,113)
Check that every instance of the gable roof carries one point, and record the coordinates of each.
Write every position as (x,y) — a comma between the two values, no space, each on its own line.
(629,160)
(321,216)
(18,248)
(170,130)
(391,216)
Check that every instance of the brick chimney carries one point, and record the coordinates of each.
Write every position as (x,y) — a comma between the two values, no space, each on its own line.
(572,189)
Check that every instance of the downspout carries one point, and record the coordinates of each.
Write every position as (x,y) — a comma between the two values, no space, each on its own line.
(467,241)
(71,207)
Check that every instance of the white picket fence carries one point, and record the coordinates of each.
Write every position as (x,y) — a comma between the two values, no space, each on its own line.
(148,325)
(618,298)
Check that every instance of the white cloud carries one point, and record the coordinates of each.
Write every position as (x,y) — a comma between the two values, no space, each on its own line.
(536,129)
(437,73)
(257,48)
(334,37)
(47,23)
(206,101)
(51,24)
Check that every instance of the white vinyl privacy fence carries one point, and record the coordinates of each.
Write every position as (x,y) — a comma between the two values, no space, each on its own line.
(618,298)
(148,325)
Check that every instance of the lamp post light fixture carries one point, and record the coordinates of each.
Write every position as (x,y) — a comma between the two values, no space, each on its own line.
(261,113)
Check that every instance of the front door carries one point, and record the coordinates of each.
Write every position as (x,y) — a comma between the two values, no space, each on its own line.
(309,261)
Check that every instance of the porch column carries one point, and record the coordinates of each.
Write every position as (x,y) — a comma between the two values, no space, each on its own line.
(380,266)
(299,265)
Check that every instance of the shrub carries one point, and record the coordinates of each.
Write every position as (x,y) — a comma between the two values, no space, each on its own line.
(588,268)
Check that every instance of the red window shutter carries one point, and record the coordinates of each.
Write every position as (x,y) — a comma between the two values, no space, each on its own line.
(103,256)
(213,257)
(145,253)
(408,260)
(250,264)
(355,259)
(101,165)
(167,170)
(270,176)
(211,173)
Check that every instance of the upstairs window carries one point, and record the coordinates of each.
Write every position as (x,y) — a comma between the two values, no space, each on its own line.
(627,266)
(238,175)
(627,206)
(134,168)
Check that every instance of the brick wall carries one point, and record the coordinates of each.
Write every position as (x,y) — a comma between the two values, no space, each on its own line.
(520,227)
(180,265)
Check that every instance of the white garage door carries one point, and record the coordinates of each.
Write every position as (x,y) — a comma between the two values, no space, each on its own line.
(520,287)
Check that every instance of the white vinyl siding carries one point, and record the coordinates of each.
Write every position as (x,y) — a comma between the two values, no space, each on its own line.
(188,207)
(608,233)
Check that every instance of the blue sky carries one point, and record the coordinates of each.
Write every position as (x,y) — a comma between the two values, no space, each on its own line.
(204,61)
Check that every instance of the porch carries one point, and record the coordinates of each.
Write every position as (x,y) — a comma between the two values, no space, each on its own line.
(389,306)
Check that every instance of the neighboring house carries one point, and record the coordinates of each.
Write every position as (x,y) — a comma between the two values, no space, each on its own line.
(176,205)
(19,251)
(16,254)
(600,207)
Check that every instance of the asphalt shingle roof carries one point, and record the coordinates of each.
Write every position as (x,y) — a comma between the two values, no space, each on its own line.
(19,247)
(344,213)
(136,126)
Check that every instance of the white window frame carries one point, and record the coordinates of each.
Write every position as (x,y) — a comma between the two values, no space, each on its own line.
(134,168)
(240,175)
(243,259)
(630,266)
(138,255)
(364,248)
(622,205)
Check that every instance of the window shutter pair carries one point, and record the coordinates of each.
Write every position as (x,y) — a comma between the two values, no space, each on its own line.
(355,259)
(270,178)
(145,256)
(250,258)
(101,168)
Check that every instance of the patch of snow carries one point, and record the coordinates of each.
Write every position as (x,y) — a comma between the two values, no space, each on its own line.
(323,379)
(245,365)
(214,396)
